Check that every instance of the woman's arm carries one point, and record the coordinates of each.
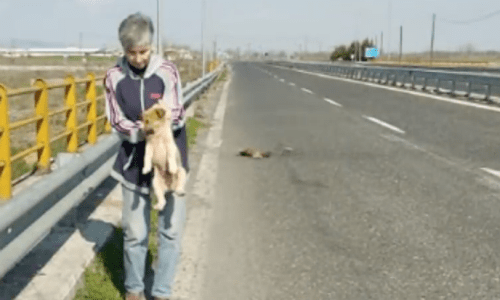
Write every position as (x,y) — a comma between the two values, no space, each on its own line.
(173,97)
(127,129)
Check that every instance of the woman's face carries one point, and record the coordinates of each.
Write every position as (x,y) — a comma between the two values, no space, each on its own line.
(138,56)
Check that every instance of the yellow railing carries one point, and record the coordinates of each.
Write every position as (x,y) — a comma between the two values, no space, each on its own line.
(41,118)
(212,65)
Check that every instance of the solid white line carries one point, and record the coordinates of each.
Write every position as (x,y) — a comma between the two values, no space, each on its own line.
(291,83)
(491,171)
(440,98)
(307,91)
(333,102)
(382,123)
(189,278)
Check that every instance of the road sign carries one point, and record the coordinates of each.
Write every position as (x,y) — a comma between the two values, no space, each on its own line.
(371,52)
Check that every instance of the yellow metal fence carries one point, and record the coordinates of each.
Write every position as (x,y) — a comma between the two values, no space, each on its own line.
(42,116)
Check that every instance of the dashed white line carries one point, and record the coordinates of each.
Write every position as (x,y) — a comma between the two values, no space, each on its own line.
(491,171)
(291,84)
(384,124)
(333,102)
(282,80)
(307,91)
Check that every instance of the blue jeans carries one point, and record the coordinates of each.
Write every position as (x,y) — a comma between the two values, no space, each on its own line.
(136,226)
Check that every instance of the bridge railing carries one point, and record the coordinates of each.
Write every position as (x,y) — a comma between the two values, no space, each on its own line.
(42,119)
(442,81)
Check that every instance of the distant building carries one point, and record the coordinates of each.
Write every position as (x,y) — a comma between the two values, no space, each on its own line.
(68,51)
(177,54)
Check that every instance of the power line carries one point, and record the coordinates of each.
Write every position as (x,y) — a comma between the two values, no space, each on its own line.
(478,19)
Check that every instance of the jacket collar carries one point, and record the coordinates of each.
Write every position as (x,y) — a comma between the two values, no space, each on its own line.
(154,63)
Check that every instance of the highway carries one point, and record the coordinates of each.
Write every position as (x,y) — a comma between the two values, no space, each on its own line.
(385,195)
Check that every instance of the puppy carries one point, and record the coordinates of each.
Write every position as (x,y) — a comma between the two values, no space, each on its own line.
(162,154)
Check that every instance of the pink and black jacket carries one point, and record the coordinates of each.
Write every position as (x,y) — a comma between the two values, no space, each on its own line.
(127,95)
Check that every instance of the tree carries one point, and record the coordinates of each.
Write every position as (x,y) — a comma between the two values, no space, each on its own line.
(340,52)
(346,53)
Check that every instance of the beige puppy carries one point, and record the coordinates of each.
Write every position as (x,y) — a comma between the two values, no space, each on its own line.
(162,154)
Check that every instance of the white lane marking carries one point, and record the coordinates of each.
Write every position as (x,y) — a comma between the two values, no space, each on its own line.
(282,80)
(291,84)
(491,171)
(190,274)
(307,91)
(333,102)
(384,124)
(440,98)
(409,144)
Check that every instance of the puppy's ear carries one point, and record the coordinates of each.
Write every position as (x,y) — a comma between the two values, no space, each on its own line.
(160,113)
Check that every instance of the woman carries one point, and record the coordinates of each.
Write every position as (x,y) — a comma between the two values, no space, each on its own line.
(137,82)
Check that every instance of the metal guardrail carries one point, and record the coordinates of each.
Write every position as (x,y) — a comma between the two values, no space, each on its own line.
(426,79)
(29,216)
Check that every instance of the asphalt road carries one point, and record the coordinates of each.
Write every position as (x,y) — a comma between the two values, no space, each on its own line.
(382,197)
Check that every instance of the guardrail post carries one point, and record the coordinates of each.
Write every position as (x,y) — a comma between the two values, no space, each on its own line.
(487,93)
(71,115)
(452,92)
(90,94)
(395,80)
(469,89)
(5,163)
(425,84)
(43,125)
(412,81)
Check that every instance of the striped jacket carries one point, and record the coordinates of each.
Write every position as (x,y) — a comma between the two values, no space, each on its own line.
(127,96)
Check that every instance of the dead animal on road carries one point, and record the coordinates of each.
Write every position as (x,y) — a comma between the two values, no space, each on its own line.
(254,153)
(162,154)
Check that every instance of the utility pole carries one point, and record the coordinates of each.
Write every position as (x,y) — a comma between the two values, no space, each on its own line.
(215,49)
(432,36)
(158,29)
(389,41)
(355,51)
(202,41)
(360,50)
(381,42)
(400,43)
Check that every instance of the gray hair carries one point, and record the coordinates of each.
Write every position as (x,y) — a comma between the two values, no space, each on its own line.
(136,30)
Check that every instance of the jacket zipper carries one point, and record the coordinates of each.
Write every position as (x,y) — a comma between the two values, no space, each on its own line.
(142,95)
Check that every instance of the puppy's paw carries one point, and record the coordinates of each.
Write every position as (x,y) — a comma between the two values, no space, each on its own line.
(159,206)
(173,168)
(146,170)
(180,193)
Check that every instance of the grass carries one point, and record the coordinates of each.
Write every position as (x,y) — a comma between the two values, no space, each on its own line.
(104,278)
(20,166)
(222,76)
(192,127)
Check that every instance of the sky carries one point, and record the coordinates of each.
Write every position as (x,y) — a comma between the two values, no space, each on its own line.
(257,25)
